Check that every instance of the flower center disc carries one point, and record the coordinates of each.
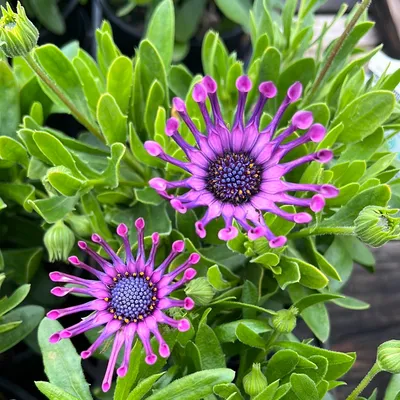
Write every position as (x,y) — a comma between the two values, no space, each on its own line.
(132,298)
(234,178)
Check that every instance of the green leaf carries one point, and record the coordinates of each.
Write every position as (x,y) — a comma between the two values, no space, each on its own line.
(290,273)
(352,303)
(62,364)
(338,363)
(188,18)
(56,152)
(379,166)
(64,75)
(303,387)
(11,150)
(236,10)
(53,392)
(309,301)
(63,181)
(378,196)
(155,99)
(20,193)
(185,223)
(9,102)
(283,362)
(210,349)
(144,386)
(49,15)
(321,113)
(227,332)
(9,326)
(179,79)
(92,208)
(54,208)
(119,82)
(16,298)
(161,30)
(30,317)
(194,386)
(318,374)
(112,121)
(364,115)
(22,264)
(393,389)
(208,50)
(247,336)
(287,17)
(216,279)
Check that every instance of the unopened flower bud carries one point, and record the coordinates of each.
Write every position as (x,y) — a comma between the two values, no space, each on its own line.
(389,356)
(376,225)
(18,35)
(255,381)
(80,224)
(285,320)
(59,240)
(200,290)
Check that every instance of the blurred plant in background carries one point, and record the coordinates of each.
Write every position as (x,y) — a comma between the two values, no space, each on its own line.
(53,185)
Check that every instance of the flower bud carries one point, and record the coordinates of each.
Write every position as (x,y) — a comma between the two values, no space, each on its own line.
(285,320)
(255,381)
(18,35)
(389,356)
(376,225)
(59,240)
(200,290)
(80,224)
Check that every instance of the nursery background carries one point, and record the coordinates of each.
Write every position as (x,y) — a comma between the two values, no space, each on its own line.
(88,94)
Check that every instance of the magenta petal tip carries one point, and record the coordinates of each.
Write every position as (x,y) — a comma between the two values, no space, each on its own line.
(105,386)
(210,84)
(324,156)
(302,218)
(190,273)
(86,354)
(188,303)
(201,232)
(151,359)
(164,350)
(96,238)
(55,338)
(194,258)
(121,371)
(155,238)
(178,246)
(295,91)
(171,126)
(317,203)
(139,223)
(256,233)
(178,104)
(74,260)
(268,89)
(329,191)
(317,133)
(302,119)
(178,206)
(53,314)
(153,148)
(199,93)
(277,242)
(122,230)
(82,245)
(243,84)
(183,325)
(228,233)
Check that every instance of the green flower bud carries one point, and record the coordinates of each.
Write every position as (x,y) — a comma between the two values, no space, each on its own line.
(376,226)
(80,224)
(59,240)
(255,381)
(18,35)
(200,290)
(389,356)
(285,320)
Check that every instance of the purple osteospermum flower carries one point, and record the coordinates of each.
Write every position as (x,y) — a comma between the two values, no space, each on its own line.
(130,297)
(237,172)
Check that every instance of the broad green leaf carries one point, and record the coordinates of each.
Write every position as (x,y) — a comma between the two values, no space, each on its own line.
(62,364)
(303,387)
(179,79)
(188,17)
(210,349)
(208,50)
(119,82)
(64,75)
(11,150)
(269,392)
(216,279)
(227,332)
(161,30)
(144,386)
(378,196)
(352,303)
(21,264)
(9,102)
(351,88)
(54,208)
(235,10)
(316,374)
(393,389)
(148,196)
(283,362)
(63,181)
(19,192)
(107,51)
(290,273)
(49,15)
(247,336)
(379,166)
(338,363)
(321,113)
(30,317)
(113,122)
(308,301)
(155,100)
(16,298)
(55,151)
(194,386)
(53,392)
(364,115)
(287,17)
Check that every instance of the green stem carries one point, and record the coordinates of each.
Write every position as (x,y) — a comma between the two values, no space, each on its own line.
(349,230)
(338,45)
(272,339)
(365,382)
(53,86)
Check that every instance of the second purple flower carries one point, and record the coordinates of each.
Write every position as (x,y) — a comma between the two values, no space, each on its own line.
(237,172)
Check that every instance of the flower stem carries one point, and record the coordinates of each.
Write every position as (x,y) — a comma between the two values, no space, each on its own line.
(311,231)
(338,45)
(53,86)
(365,382)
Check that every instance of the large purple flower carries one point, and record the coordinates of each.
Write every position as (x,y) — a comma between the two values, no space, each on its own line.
(129,297)
(237,173)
